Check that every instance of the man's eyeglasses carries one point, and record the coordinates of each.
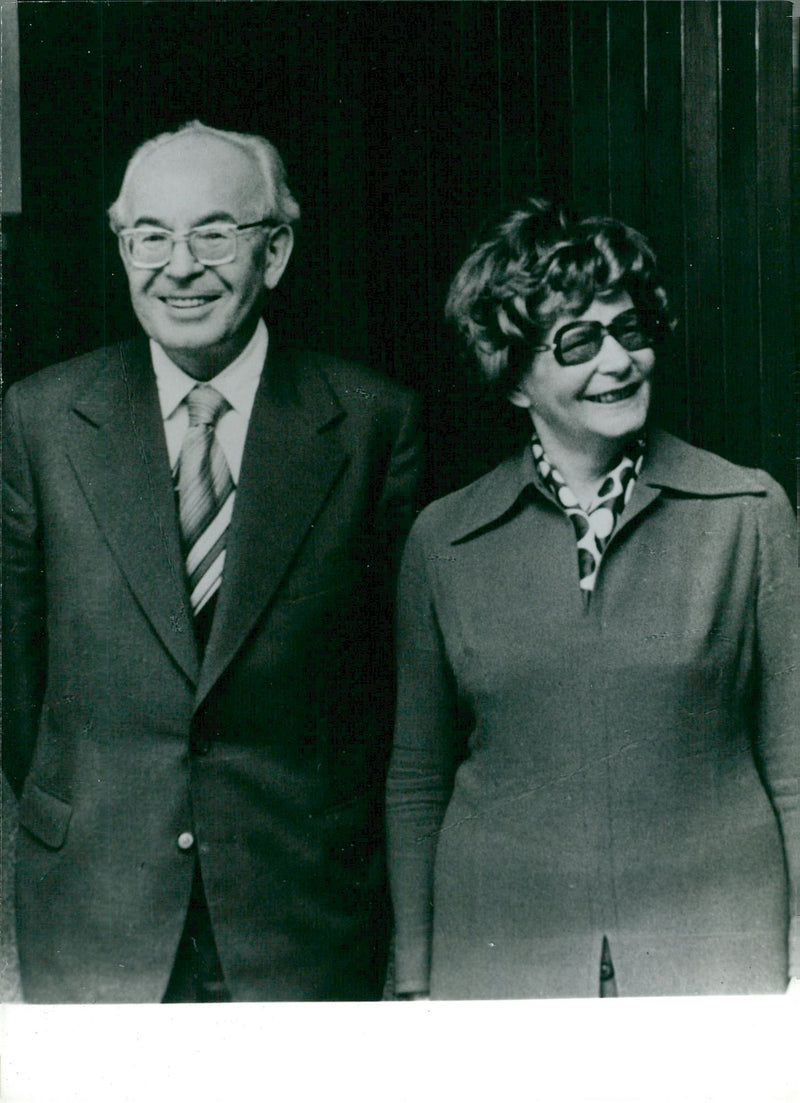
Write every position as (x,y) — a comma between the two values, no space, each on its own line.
(150,247)
(579,342)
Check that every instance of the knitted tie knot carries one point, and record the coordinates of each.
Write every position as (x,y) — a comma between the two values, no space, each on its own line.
(206,405)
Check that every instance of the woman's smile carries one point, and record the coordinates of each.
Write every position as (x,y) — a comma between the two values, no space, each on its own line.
(618,394)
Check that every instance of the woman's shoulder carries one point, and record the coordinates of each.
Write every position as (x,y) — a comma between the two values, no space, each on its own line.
(675,464)
(481,502)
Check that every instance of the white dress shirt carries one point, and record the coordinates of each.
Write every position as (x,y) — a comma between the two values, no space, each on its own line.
(238,383)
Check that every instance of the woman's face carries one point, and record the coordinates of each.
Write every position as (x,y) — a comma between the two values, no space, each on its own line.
(596,404)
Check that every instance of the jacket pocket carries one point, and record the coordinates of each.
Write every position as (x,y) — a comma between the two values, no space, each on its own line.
(46,817)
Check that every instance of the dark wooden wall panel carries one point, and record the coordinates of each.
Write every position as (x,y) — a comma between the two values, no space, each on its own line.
(703,319)
(778,361)
(626,112)
(589,106)
(739,230)
(664,198)
(520,114)
(344,151)
(405,125)
(553,39)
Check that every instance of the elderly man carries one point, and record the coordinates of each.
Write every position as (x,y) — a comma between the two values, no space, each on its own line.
(201,532)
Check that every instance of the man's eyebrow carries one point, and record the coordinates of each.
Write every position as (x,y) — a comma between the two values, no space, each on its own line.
(207,219)
(215,216)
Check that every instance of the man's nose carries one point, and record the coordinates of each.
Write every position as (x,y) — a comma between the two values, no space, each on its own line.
(182,262)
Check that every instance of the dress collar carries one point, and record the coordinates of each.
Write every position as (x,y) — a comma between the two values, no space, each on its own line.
(670,464)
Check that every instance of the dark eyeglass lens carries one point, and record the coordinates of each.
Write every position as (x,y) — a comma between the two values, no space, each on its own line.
(583,341)
(580,343)
(630,332)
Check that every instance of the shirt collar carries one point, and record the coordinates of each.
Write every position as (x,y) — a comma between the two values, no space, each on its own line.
(669,464)
(237,382)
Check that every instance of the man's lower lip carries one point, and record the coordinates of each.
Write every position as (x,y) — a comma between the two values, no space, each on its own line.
(187,304)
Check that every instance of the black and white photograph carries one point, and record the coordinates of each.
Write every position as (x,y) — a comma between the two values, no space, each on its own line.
(401,604)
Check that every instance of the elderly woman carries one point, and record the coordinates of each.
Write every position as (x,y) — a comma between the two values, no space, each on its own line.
(595,783)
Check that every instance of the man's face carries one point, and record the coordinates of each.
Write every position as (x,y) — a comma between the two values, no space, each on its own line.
(202,316)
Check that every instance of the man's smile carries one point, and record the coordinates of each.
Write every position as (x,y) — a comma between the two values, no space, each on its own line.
(187,302)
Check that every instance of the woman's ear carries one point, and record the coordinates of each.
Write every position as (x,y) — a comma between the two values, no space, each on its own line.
(520,364)
(520,397)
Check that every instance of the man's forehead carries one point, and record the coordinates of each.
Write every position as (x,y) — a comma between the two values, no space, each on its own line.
(195,166)
(209,152)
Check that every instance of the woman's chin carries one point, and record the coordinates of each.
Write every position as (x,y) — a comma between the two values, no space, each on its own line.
(619,420)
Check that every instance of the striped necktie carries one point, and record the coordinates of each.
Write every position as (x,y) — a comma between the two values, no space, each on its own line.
(205,495)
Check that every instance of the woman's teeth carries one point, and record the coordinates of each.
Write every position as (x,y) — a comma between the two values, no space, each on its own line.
(618,395)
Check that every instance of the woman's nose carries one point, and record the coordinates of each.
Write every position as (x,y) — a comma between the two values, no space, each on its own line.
(613,358)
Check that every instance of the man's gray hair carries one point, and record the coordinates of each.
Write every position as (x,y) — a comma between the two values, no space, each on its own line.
(279,201)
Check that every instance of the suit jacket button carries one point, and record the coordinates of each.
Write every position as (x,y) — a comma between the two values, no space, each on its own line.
(199,746)
(186,840)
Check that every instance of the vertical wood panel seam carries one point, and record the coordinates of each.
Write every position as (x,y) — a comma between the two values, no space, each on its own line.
(759,273)
(430,282)
(645,184)
(104,267)
(645,196)
(500,104)
(684,224)
(537,141)
(572,143)
(645,67)
(646,124)
(721,228)
(794,230)
(609,171)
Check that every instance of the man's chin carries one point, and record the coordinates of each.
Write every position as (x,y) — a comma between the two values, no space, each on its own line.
(189,336)
(200,357)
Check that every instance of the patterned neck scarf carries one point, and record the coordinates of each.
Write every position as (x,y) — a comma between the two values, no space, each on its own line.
(593,527)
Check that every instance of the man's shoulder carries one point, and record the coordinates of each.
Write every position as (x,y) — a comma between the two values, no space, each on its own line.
(62,381)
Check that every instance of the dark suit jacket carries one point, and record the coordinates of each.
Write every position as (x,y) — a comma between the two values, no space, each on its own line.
(270,751)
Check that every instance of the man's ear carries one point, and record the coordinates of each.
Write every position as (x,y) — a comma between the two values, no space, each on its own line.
(122,253)
(276,255)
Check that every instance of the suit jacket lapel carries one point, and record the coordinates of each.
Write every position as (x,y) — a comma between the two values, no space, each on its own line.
(118,452)
(288,469)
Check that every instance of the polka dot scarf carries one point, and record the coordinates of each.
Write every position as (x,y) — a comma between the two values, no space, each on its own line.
(593,527)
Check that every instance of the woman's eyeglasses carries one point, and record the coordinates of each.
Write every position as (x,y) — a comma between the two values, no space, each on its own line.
(579,342)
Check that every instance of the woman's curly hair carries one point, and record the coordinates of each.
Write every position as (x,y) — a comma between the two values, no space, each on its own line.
(536,264)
